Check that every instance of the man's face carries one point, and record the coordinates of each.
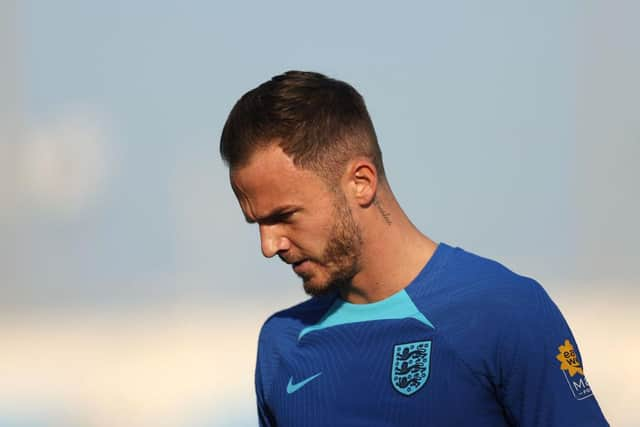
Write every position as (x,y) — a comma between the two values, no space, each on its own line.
(300,219)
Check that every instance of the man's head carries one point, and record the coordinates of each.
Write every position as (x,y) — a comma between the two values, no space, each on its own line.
(302,154)
(321,123)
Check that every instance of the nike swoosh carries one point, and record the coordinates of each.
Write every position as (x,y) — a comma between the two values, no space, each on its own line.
(292,388)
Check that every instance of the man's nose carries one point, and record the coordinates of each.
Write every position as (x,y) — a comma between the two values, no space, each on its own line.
(272,241)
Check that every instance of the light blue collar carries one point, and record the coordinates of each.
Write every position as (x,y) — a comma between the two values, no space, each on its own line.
(397,306)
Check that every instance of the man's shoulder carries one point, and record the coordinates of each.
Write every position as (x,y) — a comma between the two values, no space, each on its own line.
(481,290)
(472,277)
(479,305)
(289,322)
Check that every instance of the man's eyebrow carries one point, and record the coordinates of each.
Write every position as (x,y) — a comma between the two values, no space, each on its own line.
(273,215)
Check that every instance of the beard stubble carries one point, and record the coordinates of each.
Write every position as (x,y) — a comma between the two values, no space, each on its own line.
(341,258)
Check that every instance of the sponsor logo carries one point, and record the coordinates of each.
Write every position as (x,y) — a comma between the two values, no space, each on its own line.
(410,366)
(572,371)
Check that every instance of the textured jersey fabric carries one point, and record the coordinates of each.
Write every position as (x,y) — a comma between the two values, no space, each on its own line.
(466,343)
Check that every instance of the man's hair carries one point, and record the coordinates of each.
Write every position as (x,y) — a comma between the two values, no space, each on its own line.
(319,122)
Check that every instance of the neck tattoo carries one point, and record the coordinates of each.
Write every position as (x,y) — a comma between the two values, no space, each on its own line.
(385,214)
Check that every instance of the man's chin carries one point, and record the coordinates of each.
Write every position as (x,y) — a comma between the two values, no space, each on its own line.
(317,289)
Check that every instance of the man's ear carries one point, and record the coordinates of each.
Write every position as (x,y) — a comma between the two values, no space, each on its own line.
(362,181)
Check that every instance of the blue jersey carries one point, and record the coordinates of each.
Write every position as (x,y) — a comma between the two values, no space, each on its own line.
(466,343)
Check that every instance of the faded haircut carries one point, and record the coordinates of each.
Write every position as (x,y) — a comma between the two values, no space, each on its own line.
(319,122)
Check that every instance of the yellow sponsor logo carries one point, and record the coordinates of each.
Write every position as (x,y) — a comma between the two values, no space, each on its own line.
(569,359)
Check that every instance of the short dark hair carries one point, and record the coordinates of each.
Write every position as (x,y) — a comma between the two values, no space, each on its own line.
(320,122)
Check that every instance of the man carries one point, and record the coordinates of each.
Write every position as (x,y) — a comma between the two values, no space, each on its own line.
(400,331)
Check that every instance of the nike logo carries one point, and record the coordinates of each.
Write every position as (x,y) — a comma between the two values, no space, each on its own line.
(292,388)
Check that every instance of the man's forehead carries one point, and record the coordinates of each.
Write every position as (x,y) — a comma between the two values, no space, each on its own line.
(270,181)
(264,160)
(270,169)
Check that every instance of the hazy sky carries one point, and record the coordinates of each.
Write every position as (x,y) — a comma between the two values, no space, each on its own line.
(488,115)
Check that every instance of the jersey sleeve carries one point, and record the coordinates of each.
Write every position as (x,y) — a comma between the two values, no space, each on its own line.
(263,368)
(541,377)
(265,418)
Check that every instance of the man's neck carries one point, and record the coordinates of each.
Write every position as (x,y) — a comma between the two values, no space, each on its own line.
(394,251)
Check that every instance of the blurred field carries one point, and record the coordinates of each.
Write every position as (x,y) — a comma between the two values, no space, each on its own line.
(157,366)
(192,365)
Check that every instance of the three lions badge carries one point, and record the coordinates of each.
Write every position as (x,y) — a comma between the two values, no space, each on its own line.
(410,366)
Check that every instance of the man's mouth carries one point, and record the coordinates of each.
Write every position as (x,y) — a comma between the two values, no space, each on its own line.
(297,266)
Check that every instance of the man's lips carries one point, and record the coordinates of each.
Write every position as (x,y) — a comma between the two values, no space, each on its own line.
(291,262)
(299,265)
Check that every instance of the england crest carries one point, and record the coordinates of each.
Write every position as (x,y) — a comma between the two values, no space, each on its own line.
(410,366)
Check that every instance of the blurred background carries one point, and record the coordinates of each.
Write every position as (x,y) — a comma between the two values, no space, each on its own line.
(132,290)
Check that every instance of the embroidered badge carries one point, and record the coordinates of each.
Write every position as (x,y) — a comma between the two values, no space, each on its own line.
(572,370)
(410,366)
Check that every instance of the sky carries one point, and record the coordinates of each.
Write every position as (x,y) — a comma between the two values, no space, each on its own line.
(507,128)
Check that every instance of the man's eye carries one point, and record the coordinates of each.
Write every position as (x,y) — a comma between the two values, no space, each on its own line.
(285,217)
(280,218)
